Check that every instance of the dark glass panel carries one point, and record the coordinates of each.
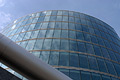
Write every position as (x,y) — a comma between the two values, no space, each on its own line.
(93,63)
(65,71)
(74,61)
(75,75)
(89,48)
(105,52)
(54,57)
(44,56)
(97,50)
(38,44)
(110,68)
(55,44)
(73,45)
(64,59)
(47,44)
(105,77)
(64,34)
(81,47)
(64,44)
(85,75)
(83,61)
(79,35)
(96,76)
(101,64)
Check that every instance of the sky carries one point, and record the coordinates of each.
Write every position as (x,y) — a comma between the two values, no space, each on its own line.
(105,10)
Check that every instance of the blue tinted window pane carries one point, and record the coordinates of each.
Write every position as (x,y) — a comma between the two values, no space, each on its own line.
(114,79)
(77,20)
(87,37)
(31,27)
(54,13)
(64,25)
(85,28)
(48,12)
(73,45)
(27,35)
(38,26)
(41,33)
(23,44)
(105,77)
(65,18)
(112,55)
(83,21)
(41,19)
(85,76)
(54,56)
(35,20)
(97,50)
(94,39)
(105,52)
(71,19)
(65,71)
(81,47)
(78,27)
(91,30)
(59,18)
(75,75)
(96,76)
(64,59)
(83,61)
(100,41)
(47,44)
(110,68)
(89,48)
(117,67)
(72,34)
(79,35)
(44,25)
(64,34)
(47,18)
(65,12)
(53,18)
(101,64)
(30,45)
(38,44)
(55,44)
(57,33)
(20,37)
(64,45)
(37,54)
(59,13)
(34,34)
(44,56)
(74,61)
(72,26)
(93,63)
(49,33)
(51,25)
(70,13)
(58,25)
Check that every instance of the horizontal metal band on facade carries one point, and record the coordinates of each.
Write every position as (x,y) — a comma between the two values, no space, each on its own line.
(75,52)
(71,22)
(66,29)
(83,69)
(69,39)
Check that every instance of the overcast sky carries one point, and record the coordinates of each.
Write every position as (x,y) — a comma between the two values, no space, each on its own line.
(105,10)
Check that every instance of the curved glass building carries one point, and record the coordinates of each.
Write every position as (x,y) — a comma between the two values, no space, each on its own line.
(81,46)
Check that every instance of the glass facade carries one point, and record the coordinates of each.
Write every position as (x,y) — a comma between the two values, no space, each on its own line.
(79,45)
